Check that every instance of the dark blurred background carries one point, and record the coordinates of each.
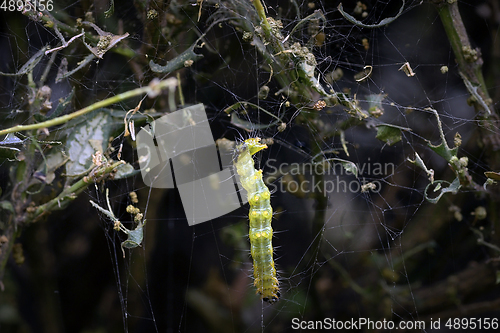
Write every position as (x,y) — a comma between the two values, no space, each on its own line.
(390,255)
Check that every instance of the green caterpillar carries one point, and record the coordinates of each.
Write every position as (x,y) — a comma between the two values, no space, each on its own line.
(260,216)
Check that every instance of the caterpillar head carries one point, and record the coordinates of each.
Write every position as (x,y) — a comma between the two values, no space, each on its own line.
(273,298)
(254,145)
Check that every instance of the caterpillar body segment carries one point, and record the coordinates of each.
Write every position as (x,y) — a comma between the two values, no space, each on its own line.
(260,216)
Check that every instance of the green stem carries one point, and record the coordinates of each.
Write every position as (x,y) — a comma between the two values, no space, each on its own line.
(153,88)
(275,47)
(470,71)
(262,15)
(69,194)
(470,66)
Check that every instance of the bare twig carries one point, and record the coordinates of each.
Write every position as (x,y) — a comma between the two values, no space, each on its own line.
(65,44)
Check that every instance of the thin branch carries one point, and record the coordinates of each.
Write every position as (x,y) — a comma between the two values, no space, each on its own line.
(69,194)
(469,60)
(153,89)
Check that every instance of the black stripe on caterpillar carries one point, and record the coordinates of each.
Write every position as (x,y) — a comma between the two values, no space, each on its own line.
(260,216)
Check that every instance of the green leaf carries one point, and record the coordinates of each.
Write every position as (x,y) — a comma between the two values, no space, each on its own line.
(125,171)
(6,205)
(6,209)
(178,62)
(452,188)
(420,163)
(30,64)
(134,238)
(443,150)
(85,138)
(111,10)
(389,134)
(347,165)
